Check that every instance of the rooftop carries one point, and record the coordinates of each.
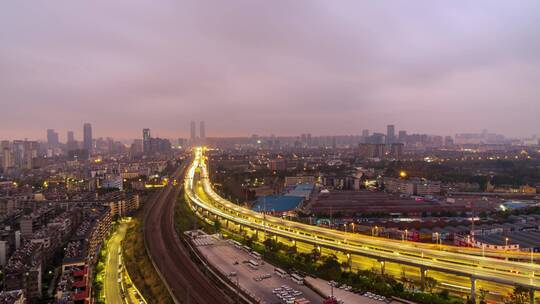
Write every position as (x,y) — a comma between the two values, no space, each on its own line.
(276,203)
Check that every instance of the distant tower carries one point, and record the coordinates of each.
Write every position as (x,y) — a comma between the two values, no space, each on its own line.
(365,133)
(52,137)
(146,140)
(193,132)
(70,137)
(7,159)
(202,130)
(71,144)
(390,134)
(402,137)
(87,137)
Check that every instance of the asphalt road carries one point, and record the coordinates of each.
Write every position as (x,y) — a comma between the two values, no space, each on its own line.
(111,285)
(187,283)
(449,261)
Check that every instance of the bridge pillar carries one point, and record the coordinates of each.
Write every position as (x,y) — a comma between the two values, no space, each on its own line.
(531,296)
(473,289)
(423,272)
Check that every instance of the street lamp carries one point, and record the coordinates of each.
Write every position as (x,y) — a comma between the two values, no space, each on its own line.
(375,231)
(483,250)
(506,244)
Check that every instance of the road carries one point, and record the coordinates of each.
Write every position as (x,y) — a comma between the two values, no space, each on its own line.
(113,293)
(186,282)
(445,259)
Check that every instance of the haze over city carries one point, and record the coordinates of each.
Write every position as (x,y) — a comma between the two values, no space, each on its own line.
(269,67)
(270,151)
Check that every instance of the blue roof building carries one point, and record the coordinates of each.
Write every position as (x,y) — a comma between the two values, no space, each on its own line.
(277,203)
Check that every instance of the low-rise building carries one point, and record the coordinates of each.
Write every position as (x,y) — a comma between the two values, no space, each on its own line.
(24,270)
(12,297)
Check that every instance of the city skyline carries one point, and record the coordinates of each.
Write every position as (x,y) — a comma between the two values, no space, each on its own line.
(193,134)
(269,68)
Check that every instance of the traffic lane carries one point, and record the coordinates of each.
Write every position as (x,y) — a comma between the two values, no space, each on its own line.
(113,293)
(174,263)
(480,273)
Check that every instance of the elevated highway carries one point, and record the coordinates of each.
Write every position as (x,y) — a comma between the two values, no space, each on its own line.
(491,266)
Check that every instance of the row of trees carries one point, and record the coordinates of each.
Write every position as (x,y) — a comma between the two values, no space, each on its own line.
(328,267)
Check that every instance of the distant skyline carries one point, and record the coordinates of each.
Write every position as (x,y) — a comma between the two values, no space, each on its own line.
(269,67)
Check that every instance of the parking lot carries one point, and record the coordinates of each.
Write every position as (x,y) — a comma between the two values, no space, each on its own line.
(260,281)
(346,295)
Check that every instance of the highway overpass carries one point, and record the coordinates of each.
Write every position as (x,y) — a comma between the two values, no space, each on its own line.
(489,266)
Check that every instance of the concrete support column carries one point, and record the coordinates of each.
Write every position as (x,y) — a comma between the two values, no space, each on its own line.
(423,273)
(227,223)
(531,296)
(473,289)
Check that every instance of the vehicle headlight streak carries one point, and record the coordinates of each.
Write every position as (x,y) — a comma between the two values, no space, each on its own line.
(451,260)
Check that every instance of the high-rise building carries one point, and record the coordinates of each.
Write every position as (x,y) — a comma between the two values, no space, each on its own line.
(402,136)
(202,130)
(193,132)
(7,157)
(368,150)
(70,137)
(146,141)
(87,138)
(30,153)
(390,134)
(71,143)
(376,138)
(52,137)
(448,141)
(365,133)
(396,150)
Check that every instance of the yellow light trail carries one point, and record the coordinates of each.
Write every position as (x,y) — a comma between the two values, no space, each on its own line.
(493,267)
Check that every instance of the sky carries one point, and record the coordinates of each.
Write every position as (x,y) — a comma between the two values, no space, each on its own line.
(269,67)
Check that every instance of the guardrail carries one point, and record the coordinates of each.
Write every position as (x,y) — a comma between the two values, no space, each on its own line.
(161,276)
(245,295)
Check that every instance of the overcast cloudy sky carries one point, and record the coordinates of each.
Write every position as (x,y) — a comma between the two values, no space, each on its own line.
(282,67)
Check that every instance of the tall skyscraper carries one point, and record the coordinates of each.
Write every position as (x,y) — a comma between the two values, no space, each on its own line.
(146,141)
(365,133)
(390,134)
(87,138)
(402,137)
(202,130)
(193,132)
(52,137)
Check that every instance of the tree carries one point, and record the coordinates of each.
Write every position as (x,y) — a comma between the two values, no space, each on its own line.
(217,225)
(482,296)
(271,245)
(430,283)
(315,254)
(519,296)
(330,268)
